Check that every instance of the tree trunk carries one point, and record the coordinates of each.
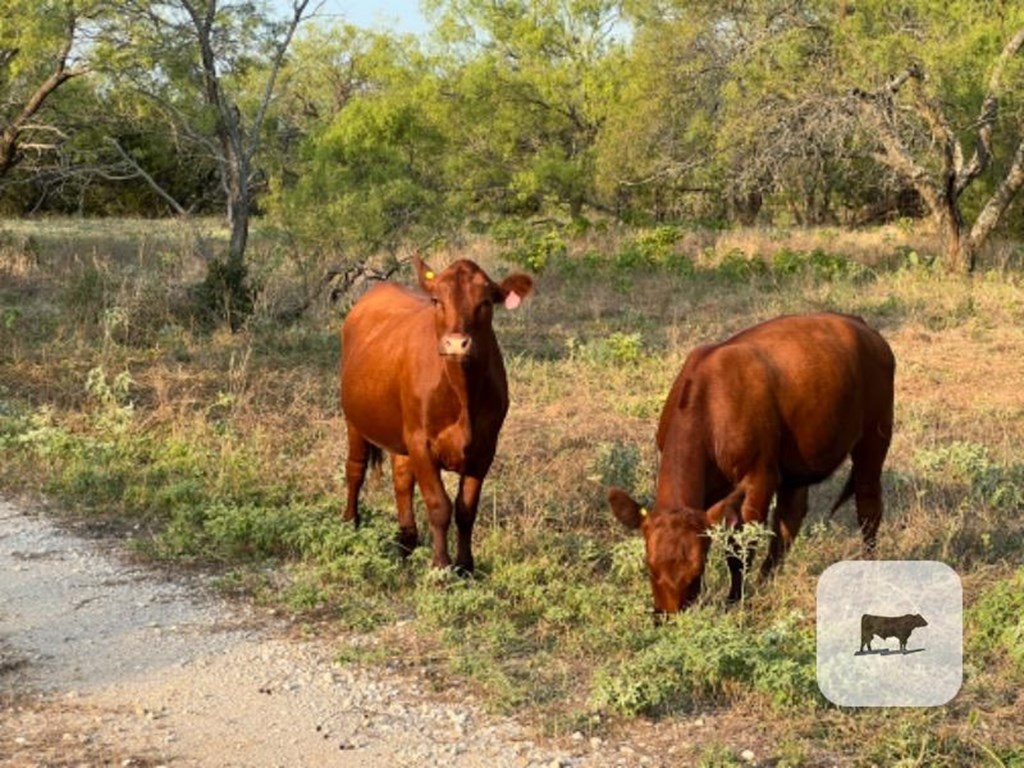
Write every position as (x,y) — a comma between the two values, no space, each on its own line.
(239,208)
(8,149)
(959,250)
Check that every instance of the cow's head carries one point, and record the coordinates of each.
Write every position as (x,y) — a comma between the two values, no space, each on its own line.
(918,620)
(464,298)
(677,545)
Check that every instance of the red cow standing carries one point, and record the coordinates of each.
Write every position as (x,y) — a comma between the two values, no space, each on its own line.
(768,412)
(422,378)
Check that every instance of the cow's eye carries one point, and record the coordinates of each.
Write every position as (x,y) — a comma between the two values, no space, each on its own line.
(435,301)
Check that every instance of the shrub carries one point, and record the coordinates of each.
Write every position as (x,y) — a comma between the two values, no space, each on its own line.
(703,657)
(969,464)
(736,267)
(225,295)
(653,248)
(529,248)
(996,621)
(621,464)
(616,348)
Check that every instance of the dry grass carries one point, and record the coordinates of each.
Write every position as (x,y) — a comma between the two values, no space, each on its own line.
(590,358)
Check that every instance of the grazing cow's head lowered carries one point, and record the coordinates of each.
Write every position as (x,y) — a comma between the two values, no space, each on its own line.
(464,298)
(677,544)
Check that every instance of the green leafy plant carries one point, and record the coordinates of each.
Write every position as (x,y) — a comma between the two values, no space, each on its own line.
(703,657)
(996,621)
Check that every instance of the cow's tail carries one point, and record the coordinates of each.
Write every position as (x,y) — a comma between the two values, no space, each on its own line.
(374,458)
(844,497)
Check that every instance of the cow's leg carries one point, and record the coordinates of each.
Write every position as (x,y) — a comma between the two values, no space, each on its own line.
(439,506)
(466,505)
(405,484)
(868,456)
(359,450)
(790,510)
(758,492)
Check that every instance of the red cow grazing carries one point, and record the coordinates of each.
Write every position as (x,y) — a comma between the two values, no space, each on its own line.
(768,412)
(422,378)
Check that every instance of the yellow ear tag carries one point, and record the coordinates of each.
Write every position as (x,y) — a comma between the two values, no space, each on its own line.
(429,275)
(643,512)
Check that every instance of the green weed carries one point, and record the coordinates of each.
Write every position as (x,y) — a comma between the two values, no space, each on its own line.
(704,657)
(971,466)
(995,623)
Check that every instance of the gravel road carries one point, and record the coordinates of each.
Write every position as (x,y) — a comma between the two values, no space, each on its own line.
(104,662)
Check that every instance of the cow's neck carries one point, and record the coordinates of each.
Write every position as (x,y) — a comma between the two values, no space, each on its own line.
(464,379)
(682,475)
(458,379)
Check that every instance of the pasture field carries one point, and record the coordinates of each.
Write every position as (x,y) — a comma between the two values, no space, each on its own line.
(204,448)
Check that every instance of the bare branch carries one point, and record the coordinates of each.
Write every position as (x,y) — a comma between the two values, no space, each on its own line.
(11,133)
(988,114)
(164,195)
(298,15)
(896,154)
(1000,200)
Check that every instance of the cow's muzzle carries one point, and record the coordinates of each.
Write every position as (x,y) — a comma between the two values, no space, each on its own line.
(457,345)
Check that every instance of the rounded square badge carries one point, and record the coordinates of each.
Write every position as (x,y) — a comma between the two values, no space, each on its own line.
(890,633)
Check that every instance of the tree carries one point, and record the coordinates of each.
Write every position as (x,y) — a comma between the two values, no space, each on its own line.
(531,81)
(181,53)
(373,168)
(939,99)
(729,107)
(37,57)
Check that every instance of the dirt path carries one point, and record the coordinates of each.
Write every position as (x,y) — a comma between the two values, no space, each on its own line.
(105,663)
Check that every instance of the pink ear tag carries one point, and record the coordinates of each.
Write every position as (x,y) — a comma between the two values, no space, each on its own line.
(512,300)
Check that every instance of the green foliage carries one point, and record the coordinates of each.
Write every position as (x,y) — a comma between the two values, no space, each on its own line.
(735,266)
(995,623)
(726,543)
(617,347)
(532,248)
(621,464)
(539,597)
(654,248)
(703,657)
(533,81)
(375,173)
(226,294)
(969,464)
(39,55)
(819,264)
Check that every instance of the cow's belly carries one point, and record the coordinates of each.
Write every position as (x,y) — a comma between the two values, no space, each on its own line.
(810,455)
(375,411)
(810,469)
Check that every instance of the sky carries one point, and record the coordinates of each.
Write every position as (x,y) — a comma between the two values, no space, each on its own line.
(395,15)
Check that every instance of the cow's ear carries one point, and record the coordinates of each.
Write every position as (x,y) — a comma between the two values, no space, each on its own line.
(728,510)
(424,273)
(513,289)
(629,513)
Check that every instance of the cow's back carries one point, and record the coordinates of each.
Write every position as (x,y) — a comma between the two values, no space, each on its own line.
(802,388)
(831,379)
